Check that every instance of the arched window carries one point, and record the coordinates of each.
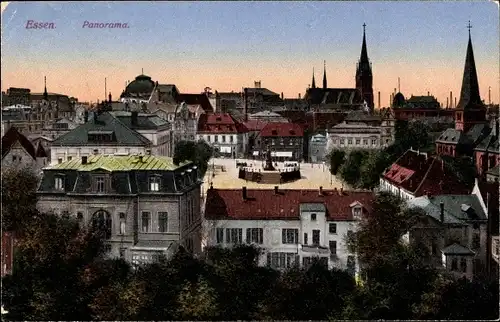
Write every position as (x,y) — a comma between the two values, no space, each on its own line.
(101,221)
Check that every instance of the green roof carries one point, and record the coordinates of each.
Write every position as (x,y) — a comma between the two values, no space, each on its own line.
(120,163)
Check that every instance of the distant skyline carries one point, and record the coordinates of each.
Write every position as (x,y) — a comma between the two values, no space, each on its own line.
(229,45)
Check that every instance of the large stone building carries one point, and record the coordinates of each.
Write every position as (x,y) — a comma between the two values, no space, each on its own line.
(143,205)
(361,130)
(102,134)
(285,140)
(420,108)
(292,226)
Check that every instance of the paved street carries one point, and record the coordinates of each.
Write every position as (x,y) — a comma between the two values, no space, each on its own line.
(313,176)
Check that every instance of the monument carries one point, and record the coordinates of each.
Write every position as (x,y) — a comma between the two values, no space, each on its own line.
(269,161)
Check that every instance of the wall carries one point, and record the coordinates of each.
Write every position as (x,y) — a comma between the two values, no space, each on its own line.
(19,158)
(63,152)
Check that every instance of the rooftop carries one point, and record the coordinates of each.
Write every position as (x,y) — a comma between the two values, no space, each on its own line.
(120,163)
(279,129)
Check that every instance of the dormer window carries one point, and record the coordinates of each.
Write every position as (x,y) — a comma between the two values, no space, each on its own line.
(59,182)
(154,183)
(313,217)
(100,184)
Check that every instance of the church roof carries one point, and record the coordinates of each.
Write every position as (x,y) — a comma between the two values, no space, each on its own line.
(453,136)
(333,96)
(469,95)
(364,63)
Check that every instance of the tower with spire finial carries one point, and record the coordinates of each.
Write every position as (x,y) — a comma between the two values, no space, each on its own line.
(313,84)
(470,109)
(325,84)
(364,77)
(45,94)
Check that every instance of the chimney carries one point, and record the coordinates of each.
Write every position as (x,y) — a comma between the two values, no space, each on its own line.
(276,190)
(447,102)
(282,96)
(428,93)
(245,97)
(84,159)
(134,117)
(320,190)
(299,96)
(455,102)
(109,97)
(489,95)
(244,193)
(86,116)
(451,99)
(441,205)
(379,99)
(394,92)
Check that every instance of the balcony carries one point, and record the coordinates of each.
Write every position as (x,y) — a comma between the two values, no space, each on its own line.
(315,249)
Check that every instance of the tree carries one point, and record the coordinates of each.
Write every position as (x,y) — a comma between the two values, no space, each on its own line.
(350,169)
(18,198)
(463,167)
(371,169)
(336,158)
(197,152)
(197,301)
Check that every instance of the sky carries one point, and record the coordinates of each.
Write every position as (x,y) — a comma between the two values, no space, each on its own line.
(229,45)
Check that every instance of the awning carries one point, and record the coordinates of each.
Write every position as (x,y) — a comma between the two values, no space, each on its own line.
(225,149)
(255,152)
(286,154)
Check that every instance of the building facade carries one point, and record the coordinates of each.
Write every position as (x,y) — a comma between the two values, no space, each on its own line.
(228,136)
(143,205)
(18,152)
(317,148)
(291,226)
(285,140)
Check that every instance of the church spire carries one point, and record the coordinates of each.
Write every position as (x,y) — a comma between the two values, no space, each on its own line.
(469,94)
(313,84)
(45,94)
(324,75)
(364,52)
(364,77)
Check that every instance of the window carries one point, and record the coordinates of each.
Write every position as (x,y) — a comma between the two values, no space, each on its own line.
(59,183)
(290,236)
(59,160)
(99,184)
(305,239)
(358,141)
(365,141)
(374,141)
(14,158)
(313,217)
(223,139)
(463,264)
(282,260)
(122,252)
(154,183)
(69,158)
(316,234)
(123,223)
(349,141)
(234,235)
(342,141)
(454,264)
(332,228)
(79,216)
(101,221)
(216,138)
(220,235)
(351,265)
(162,222)
(255,235)
(333,247)
(231,138)
(146,218)
(357,212)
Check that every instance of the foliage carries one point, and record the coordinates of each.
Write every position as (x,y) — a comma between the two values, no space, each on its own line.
(371,169)
(197,152)
(18,198)
(463,167)
(351,169)
(336,158)
(197,301)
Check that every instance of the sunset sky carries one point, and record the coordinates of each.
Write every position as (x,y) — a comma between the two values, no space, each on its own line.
(229,45)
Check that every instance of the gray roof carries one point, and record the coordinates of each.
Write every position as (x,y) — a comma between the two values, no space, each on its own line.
(144,121)
(360,116)
(489,143)
(478,132)
(458,209)
(312,207)
(456,249)
(453,136)
(103,122)
(494,171)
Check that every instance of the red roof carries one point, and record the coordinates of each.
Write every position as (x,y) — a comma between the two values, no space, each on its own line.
(419,174)
(282,130)
(196,99)
(219,123)
(11,137)
(263,204)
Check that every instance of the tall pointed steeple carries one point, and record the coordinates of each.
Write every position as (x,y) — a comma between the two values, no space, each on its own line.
(470,109)
(324,75)
(313,84)
(45,94)
(364,78)
(469,95)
